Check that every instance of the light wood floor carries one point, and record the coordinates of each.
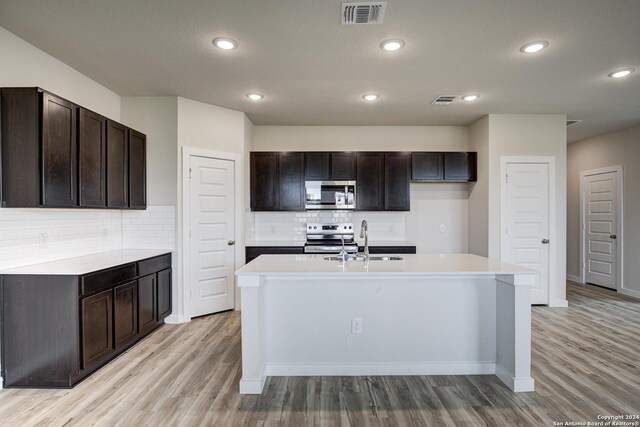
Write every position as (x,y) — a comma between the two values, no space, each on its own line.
(585,364)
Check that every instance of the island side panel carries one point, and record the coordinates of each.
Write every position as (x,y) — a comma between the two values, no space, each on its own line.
(253,336)
(513,350)
(40,345)
(410,325)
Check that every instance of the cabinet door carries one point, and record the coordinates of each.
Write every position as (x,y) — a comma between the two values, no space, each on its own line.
(125,315)
(397,173)
(369,181)
(459,166)
(117,165)
(343,166)
(164,294)
(426,167)
(317,166)
(97,327)
(93,159)
(264,178)
(147,304)
(59,152)
(137,170)
(291,182)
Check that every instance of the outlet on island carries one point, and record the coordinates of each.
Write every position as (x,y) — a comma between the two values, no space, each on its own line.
(356,325)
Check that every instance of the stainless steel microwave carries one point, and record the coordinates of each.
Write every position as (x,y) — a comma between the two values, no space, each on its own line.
(330,195)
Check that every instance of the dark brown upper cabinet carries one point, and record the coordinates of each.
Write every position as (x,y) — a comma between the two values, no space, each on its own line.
(137,170)
(443,167)
(317,166)
(264,181)
(291,181)
(117,165)
(343,166)
(92,164)
(39,149)
(55,153)
(370,181)
(277,181)
(426,167)
(397,177)
(460,167)
(330,166)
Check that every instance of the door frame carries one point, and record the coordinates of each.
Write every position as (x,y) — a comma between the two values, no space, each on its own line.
(187,152)
(553,233)
(619,217)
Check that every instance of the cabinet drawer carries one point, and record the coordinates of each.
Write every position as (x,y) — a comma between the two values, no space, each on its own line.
(107,278)
(154,265)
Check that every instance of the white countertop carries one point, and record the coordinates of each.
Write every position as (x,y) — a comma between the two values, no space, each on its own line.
(314,265)
(88,263)
(301,243)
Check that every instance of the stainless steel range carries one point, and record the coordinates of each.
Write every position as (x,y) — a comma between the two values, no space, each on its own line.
(327,238)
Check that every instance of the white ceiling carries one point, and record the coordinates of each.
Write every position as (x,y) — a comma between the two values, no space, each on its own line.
(313,71)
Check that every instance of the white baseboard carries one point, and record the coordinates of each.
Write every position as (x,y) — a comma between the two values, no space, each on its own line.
(629,292)
(470,368)
(254,386)
(519,384)
(177,318)
(559,303)
(573,278)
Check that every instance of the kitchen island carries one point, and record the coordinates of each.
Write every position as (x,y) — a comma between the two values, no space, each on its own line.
(425,314)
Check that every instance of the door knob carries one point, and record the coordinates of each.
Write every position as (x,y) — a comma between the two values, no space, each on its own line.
(545,241)
(231,242)
(613,236)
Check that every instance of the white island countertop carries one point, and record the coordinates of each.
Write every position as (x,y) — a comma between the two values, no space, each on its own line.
(411,264)
(87,263)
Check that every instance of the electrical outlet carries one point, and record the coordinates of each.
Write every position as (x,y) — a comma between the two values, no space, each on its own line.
(356,325)
(44,240)
(443,228)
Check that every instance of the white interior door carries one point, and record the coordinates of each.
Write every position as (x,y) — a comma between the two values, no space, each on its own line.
(600,221)
(212,207)
(526,235)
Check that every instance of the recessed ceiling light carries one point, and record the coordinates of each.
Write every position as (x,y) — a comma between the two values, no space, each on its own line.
(392,45)
(534,47)
(255,96)
(621,73)
(470,98)
(225,43)
(370,97)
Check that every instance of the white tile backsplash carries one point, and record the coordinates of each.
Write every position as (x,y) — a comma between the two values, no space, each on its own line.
(30,236)
(291,226)
(153,228)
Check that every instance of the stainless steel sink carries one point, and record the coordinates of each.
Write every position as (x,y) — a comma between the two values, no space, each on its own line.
(361,258)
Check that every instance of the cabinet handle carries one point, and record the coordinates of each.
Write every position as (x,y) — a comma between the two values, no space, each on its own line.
(613,236)
(545,241)
(231,242)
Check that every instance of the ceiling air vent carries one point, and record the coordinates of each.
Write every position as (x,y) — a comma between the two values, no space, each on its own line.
(443,100)
(572,122)
(363,12)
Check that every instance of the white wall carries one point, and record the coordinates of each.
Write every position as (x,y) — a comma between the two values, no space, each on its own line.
(520,135)
(213,128)
(361,138)
(24,65)
(479,191)
(612,149)
(431,204)
(157,117)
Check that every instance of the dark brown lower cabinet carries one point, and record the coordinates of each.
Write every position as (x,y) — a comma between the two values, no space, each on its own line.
(125,314)
(164,294)
(147,303)
(97,327)
(58,329)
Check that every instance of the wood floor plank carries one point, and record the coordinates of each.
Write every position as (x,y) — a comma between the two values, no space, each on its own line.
(584,362)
